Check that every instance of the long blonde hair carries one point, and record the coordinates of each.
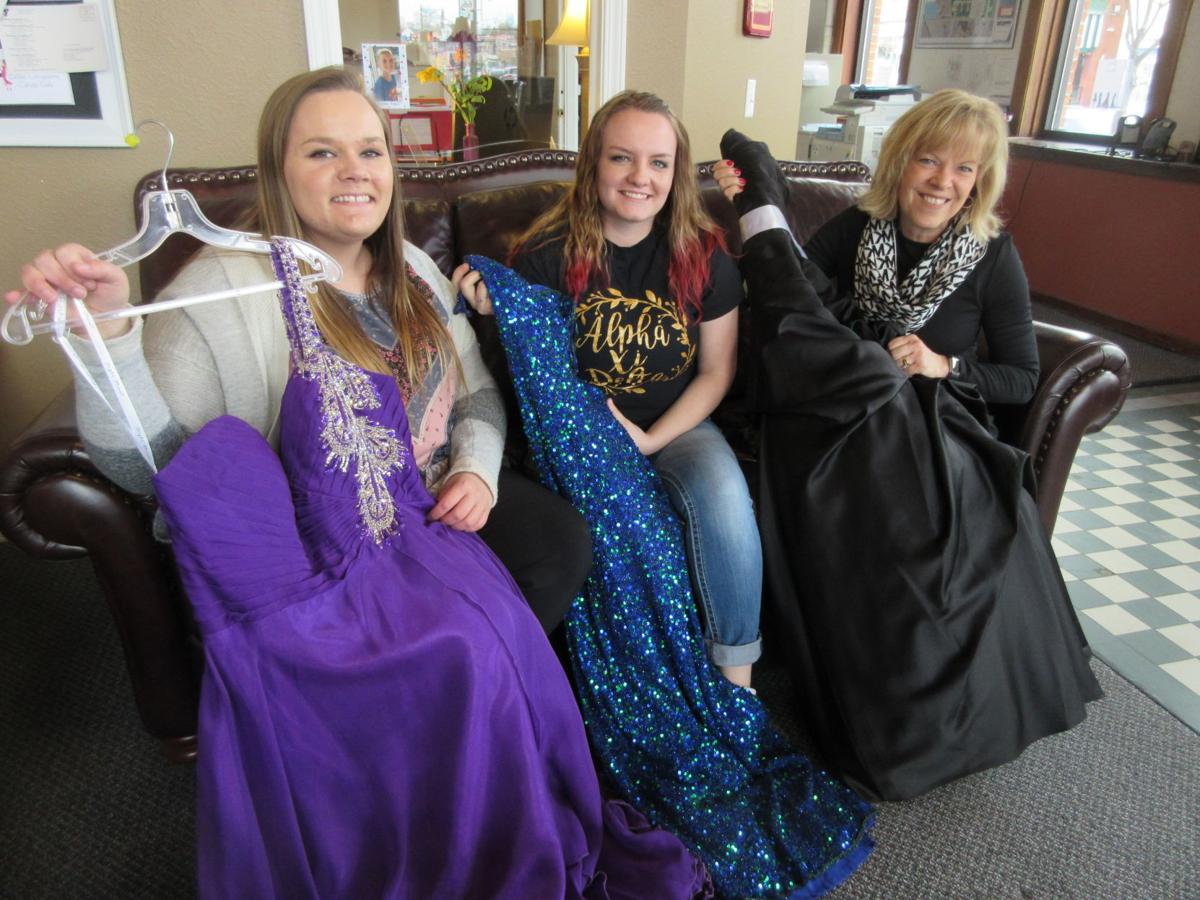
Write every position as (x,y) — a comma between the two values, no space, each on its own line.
(691,233)
(419,331)
(947,118)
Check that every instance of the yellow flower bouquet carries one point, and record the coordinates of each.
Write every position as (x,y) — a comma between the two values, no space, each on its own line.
(465,93)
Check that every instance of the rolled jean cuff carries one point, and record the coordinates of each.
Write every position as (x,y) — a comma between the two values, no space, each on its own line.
(735,654)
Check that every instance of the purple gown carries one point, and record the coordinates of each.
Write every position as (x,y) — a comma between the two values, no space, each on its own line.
(380,715)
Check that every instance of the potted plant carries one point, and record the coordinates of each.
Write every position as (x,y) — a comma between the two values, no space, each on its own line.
(466,94)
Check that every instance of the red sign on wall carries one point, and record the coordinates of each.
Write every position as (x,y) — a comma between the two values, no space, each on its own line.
(759,16)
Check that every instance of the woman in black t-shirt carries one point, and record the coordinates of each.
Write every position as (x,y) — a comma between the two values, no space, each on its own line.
(656,300)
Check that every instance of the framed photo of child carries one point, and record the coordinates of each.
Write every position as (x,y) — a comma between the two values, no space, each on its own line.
(385,74)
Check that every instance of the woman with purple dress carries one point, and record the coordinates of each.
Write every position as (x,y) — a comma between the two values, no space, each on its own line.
(381,714)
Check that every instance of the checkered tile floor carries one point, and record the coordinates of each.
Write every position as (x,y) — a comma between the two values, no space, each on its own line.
(1128,541)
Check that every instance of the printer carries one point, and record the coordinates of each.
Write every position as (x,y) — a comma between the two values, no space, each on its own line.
(863,114)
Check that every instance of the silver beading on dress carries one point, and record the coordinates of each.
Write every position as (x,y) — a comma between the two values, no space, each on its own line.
(346,392)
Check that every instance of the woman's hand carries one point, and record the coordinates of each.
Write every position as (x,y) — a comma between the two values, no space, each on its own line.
(729,179)
(74,270)
(914,358)
(644,440)
(470,284)
(463,502)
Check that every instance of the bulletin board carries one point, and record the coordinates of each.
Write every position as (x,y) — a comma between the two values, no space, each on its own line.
(967,23)
(62,75)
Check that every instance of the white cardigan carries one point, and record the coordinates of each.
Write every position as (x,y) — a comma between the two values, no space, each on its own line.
(185,367)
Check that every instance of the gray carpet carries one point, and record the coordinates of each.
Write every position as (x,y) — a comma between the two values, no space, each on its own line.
(88,806)
(1110,809)
(89,809)
(1152,365)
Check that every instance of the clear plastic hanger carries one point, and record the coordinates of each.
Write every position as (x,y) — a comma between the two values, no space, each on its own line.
(166,212)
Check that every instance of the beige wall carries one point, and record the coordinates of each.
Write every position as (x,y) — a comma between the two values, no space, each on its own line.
(205,70)
(368,22)
(656,49)
(694,55)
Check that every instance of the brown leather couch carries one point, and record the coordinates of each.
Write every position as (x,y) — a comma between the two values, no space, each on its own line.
(55,504)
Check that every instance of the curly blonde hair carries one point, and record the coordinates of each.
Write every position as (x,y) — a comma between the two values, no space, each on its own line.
(947,118)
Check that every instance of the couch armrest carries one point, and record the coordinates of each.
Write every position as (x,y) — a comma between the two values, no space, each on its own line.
(1083,385)
(55,504)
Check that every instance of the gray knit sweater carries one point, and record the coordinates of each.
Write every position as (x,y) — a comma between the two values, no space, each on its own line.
(185,367)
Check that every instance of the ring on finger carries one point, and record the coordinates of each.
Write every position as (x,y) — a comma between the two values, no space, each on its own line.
(905,363)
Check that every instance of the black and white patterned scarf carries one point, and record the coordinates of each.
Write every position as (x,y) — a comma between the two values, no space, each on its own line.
(909,305)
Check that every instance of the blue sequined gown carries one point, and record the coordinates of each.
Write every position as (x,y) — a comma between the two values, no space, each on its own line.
(692,751)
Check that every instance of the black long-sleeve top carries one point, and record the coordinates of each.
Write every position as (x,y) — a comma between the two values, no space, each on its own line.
(993,301)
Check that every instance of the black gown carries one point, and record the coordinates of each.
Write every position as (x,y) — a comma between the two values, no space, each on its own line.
(912,588)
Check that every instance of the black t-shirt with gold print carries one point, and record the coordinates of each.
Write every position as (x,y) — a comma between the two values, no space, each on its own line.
(630,339)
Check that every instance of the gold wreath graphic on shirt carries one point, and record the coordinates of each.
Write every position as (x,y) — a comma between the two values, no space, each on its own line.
(628,329)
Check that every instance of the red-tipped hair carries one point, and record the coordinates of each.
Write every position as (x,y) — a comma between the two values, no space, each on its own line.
(687,274)
(691,233)
(577,276)
(690,270)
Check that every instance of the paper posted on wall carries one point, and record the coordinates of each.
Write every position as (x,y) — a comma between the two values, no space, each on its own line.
(53,38)
(35,88)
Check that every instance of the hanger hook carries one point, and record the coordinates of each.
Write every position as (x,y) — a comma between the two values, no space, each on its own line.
(21,312)
(170,146)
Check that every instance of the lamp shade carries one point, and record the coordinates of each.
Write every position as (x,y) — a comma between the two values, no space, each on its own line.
(572,30)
